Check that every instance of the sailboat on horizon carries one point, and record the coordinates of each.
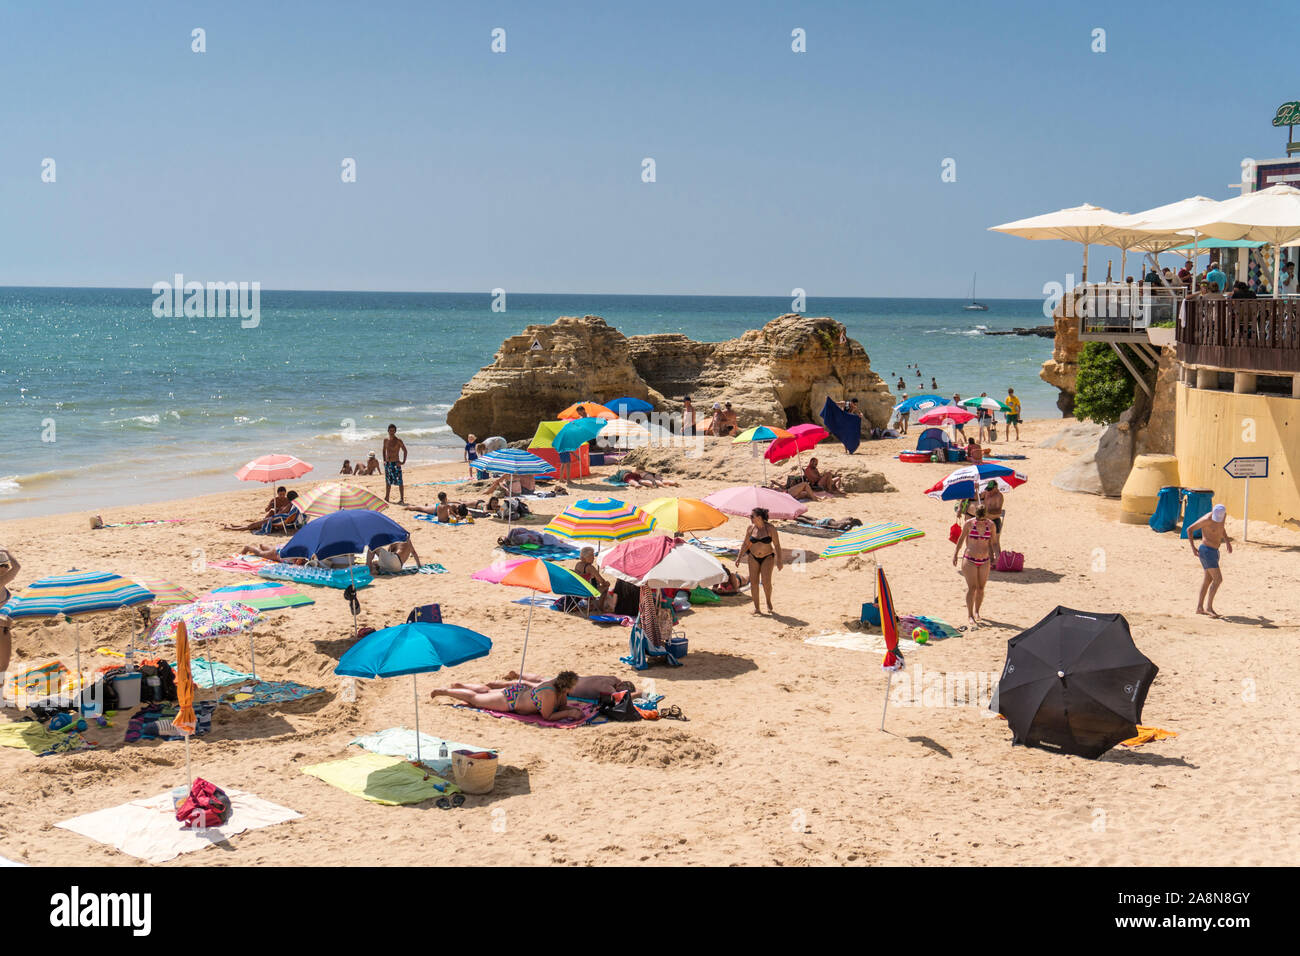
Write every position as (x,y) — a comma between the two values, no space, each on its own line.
(974,305)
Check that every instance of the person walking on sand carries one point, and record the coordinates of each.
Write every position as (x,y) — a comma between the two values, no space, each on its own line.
(980,536)
(9,568)
(1213,529)
(762,546)
(394,458)
(1013,412)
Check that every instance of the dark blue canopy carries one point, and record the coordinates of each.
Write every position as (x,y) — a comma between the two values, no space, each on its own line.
(344,532)
(843,425)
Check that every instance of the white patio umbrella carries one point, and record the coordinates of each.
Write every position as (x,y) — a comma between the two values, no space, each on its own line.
(1135,231)
(1085,224)
(1269,215)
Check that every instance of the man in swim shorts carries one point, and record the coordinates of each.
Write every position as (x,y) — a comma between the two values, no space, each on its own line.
(1213,530)
(394,458)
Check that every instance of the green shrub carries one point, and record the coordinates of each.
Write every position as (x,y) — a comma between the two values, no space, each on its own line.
(1103,389)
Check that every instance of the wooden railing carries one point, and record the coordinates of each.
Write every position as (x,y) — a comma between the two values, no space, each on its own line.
(1257,335)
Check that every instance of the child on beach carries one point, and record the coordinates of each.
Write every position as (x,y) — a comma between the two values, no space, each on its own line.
(1213,530)
(471,452)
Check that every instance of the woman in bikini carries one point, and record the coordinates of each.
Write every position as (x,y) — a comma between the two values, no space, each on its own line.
(548,700)
(762,546)
(980,536)
(585,568)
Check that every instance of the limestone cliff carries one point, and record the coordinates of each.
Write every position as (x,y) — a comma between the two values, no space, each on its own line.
(1060,370)
(779,374)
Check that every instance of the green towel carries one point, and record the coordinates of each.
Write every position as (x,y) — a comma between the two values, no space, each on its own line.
(32,735)
(704,596)
(381,779)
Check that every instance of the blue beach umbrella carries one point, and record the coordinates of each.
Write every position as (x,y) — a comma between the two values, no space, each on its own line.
(413,649)
(627,405)
(344,532)
(577,433)
(920,403)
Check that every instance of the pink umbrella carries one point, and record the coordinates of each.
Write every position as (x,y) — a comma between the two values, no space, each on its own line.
(937,416)
(273,468)
(636,557)
(803,438)
(743,499)
(497,570)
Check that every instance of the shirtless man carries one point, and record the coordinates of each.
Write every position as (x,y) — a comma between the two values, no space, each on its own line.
(394,458)
(443,510)
(391,559)
(993,504)
(1214,532)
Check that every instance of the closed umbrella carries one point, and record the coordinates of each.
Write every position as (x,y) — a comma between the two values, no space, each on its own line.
(184,721)
(413,649)
(600,519)
(273,468)
(338,496)
(893,659)
(743,499)
(547,578)
(1074,682)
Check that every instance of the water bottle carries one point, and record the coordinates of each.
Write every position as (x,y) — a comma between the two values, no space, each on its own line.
(442,751)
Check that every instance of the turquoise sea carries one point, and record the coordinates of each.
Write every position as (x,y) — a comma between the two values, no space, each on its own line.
(103,404)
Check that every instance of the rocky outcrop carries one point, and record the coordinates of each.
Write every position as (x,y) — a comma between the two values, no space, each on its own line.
(779,374)
(1156,435)
(717,459)
(1062,368)
(1102,468)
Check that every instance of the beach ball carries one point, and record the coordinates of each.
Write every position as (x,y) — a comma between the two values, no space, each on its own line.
(920,635)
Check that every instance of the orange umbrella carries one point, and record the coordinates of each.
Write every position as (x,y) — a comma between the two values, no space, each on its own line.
(592,409)
(684,514)
(185,721)
(543,576)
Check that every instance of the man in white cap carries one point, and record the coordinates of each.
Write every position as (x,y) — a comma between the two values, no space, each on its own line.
(1213,531)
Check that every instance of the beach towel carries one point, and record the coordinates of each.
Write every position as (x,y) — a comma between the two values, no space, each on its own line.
(611,480)
(260,595)
(545,552)
(555,602)
(400,742)
(269,692)
(716,546)
(422,569)
(143,524)
(590,715)
(381,779)
(642,651)
(939,630)
(32,735)
(209,674)
(1147,734)
(241,562)
(433,519)
(844,426)
(153,722)
(852,641)
(148,830)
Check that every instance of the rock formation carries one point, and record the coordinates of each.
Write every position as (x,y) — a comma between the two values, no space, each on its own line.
(1156,435)
(1103,466)
(779,374)
(1060,370)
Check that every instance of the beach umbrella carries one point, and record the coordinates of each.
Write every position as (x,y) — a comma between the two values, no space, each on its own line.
(625,431)
(74,594)
(166,593)
(743,499)
(345,532)
(802,438)
(204,620)
(684,514)
(513,461)
(893,659)
(577,433)
(414,649)
(544,437)
(592,410)
(967,481)
(678,565)
(260,595)
(920,403)
(761,433)
(1269,215)
(937,416)
(498,569)
(1074,682)
(547,578)
(1084,224)
(869,537)
(337,496)
(627,405)
(184,721)
(983,401)
(273,468)
(600,519)
(1133,231)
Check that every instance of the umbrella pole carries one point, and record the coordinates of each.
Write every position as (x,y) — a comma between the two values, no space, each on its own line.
(415,690)
(189,776)
(889,684)
(352,577)
(527,630)
(252,655)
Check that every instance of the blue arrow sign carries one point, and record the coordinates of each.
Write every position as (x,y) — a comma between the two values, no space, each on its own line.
(1248,467)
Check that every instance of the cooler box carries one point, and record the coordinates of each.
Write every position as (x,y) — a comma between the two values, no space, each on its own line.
(127,687)
(956,454)
(579,467)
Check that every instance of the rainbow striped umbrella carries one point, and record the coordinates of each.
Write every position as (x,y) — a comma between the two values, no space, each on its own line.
(259,595)
(601,519)
(760,433)
(166,593)
(273,468)
(73,594)
(336,496)
(869,537)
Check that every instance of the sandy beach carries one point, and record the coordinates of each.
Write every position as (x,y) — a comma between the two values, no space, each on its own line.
(781,761)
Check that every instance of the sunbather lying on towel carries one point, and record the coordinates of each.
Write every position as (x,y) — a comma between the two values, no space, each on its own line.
(270,554)
(445,510)
(588,688)
(735,581)
(390,560)
(549,699)
(484,509)
(838,524)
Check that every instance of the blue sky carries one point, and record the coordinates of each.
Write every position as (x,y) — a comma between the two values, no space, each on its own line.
(523,170)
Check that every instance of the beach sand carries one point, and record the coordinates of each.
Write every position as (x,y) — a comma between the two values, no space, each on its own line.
(781,762)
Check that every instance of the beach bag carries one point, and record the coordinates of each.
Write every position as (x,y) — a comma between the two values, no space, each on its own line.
(619,707)
(206,806)
(167,680)
(954,533)
(993,432)
(1010,561)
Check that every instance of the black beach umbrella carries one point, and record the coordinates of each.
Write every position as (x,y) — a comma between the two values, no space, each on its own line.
(1074,682)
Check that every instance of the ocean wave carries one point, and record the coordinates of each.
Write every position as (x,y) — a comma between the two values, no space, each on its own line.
(9,485)
(360,435)
(436,409)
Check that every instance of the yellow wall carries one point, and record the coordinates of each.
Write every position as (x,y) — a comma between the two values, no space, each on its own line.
(1213,427)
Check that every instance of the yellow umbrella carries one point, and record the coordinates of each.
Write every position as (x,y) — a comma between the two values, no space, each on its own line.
(684,514)
(185,721)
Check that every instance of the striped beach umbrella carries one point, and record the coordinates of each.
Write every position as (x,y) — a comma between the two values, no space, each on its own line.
(684,514)
(166,593)
(337,496)
(273,468)
(760,433)
(600,519)
(869,537)
(513,461)
(259,595)
(967,482)
(74,594)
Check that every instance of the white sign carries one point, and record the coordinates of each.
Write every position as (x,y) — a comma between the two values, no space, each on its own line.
(1248,467)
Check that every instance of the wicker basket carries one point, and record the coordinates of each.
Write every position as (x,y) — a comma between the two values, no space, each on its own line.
(474,771)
